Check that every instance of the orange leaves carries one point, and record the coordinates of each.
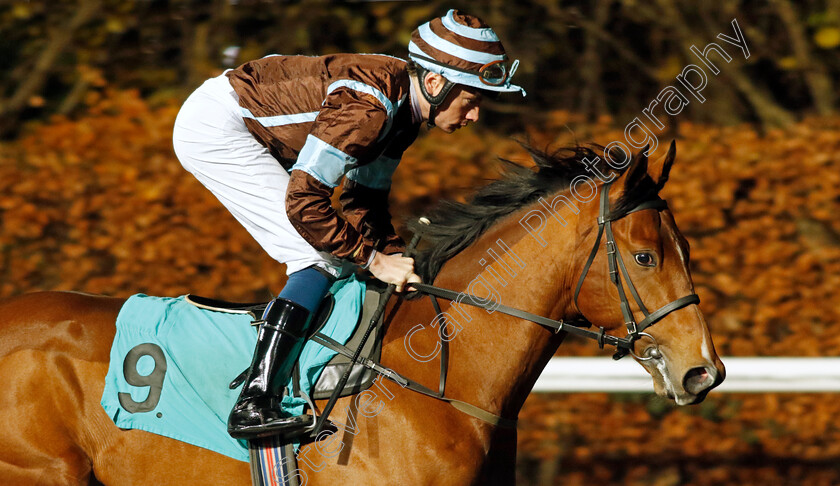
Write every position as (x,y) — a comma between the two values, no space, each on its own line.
(729,439)
(760,214)
(102,205)
(26,221)
(778,250)
(441,165)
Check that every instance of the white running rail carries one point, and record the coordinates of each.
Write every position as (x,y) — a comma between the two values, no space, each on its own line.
(749,375)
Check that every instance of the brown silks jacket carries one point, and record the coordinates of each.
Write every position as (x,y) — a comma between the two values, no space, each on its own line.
(326,117)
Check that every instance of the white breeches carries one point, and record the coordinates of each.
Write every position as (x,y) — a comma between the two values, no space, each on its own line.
(212,143)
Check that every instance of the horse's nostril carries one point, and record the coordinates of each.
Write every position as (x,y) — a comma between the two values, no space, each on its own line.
(698,379)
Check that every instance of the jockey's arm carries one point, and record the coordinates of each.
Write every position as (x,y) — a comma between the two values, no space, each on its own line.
(310,211)
(312,215)
(364,202)
(331,150)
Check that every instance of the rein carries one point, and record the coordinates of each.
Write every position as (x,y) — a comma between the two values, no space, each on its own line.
(624,345)
(635,330)
(557,326)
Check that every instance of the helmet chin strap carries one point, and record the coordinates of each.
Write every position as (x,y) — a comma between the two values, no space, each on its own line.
(434,100)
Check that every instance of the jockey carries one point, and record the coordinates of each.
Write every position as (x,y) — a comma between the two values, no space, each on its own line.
(273,138)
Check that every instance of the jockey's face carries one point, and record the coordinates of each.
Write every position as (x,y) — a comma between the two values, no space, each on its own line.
(459,108)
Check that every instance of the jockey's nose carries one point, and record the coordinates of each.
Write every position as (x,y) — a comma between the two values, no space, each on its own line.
(472,115)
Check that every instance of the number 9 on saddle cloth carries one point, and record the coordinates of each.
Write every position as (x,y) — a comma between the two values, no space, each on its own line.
(172,363)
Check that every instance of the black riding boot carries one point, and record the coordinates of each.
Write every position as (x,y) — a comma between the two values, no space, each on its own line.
(279,344)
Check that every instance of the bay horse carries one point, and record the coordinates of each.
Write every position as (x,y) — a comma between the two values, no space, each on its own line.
(54,346)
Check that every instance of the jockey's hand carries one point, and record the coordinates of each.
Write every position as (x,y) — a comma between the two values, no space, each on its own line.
(394,269)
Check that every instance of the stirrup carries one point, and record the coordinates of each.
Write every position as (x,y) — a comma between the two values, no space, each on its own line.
(286,428)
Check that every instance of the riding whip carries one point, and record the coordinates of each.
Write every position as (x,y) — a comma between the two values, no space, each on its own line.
(409,250)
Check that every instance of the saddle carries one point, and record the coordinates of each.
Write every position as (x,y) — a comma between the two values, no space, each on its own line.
(361,377)
(363,373)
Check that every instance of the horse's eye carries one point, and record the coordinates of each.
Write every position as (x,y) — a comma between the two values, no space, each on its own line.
(645,260)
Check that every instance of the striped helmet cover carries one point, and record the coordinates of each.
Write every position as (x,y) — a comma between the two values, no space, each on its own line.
(463,42)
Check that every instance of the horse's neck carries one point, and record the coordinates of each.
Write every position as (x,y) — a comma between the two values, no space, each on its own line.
(495,359)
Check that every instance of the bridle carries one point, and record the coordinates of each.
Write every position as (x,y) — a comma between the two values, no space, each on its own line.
(634,330)
(624,345)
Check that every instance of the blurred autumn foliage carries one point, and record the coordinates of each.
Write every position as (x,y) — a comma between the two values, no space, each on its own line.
(588,56)
(92,198)
(100,204)
(759,212)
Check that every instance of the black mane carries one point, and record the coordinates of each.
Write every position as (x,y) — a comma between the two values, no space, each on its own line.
(456,225)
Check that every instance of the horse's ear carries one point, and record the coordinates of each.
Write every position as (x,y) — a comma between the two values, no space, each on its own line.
(659,169)
(637,171)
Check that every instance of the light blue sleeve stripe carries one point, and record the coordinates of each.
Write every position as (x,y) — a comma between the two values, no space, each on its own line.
(486,34)
(376,175)
(364,88)
(279,120)
(455,50)
(323,161)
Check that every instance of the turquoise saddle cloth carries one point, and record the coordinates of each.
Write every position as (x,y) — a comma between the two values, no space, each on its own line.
(172,363)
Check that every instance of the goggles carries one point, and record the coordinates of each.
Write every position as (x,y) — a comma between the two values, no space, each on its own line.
(494,73)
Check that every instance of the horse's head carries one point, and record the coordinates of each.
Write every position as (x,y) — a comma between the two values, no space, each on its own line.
(651,277)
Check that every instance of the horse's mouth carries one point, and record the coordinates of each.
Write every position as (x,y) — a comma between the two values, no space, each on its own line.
(684,398)
(696,385)
(689,399)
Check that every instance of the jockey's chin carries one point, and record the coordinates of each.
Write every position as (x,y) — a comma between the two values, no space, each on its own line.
(452,127)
